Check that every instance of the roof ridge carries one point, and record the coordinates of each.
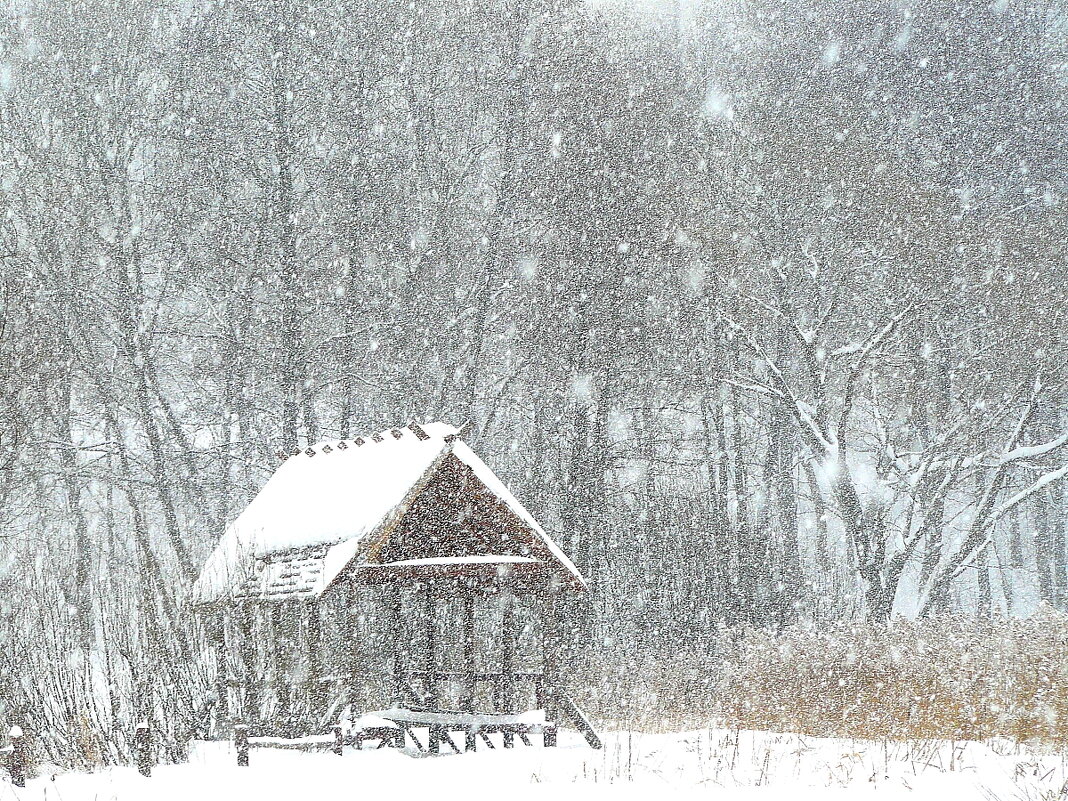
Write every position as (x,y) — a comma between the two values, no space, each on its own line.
(394,433)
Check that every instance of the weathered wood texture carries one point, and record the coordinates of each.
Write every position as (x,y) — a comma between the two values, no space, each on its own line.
(241,744)
(143,749)
(17,761)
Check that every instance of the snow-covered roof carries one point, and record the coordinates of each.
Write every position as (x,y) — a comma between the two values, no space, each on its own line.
(325,507)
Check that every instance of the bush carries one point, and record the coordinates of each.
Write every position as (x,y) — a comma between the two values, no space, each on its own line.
(948,678)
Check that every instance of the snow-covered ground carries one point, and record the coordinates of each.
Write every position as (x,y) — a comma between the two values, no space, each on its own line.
(713,763)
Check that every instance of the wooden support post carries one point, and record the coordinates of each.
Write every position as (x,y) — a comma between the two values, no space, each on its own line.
(347,633)
(143,748)
(313,643)
(279,645)
(216,624)
(470,739)
(17,766)
(434,739)
(246,624)
(339,740)
(431,695)
(550,664)
(508,661)
(467,703)
(396,623)
(241,744)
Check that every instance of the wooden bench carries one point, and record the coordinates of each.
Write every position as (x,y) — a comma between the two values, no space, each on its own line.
(394,727)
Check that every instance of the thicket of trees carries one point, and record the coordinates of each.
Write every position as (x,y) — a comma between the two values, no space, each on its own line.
(759,306)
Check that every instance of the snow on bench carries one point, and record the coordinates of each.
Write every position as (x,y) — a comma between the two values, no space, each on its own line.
(314,742)
(534,718)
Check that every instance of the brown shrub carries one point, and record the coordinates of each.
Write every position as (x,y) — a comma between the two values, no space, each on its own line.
(951,678)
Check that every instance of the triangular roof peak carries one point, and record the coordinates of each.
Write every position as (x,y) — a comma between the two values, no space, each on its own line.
(343,503)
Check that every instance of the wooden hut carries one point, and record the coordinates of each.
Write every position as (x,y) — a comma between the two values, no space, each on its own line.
(408,528)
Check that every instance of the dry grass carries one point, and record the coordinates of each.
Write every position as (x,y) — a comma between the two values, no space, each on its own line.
(952,678)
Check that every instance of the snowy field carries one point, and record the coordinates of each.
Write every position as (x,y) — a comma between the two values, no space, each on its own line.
(713,763)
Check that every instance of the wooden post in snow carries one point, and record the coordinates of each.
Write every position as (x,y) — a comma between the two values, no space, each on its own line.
(339,740)
(241,744)
(143,748)
(17,767)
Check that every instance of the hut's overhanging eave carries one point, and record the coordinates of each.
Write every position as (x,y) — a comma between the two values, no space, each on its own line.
(321,508)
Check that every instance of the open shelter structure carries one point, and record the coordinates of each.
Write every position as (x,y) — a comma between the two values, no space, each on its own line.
(407,533)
